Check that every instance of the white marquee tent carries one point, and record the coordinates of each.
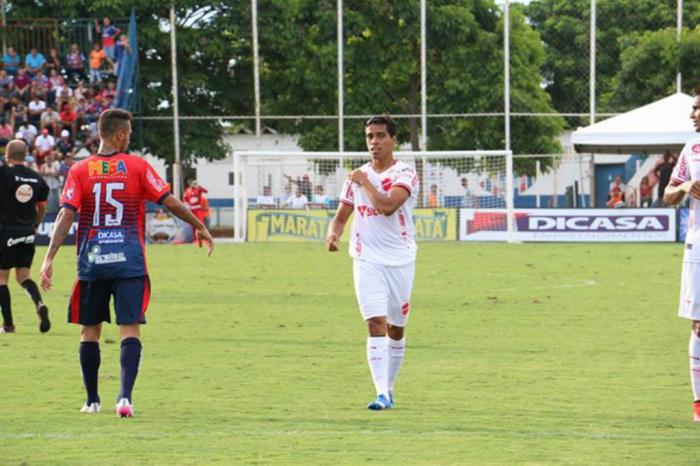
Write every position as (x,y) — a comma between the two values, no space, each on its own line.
(651,129)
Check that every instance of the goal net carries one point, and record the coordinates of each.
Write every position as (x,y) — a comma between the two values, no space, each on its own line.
(291,196)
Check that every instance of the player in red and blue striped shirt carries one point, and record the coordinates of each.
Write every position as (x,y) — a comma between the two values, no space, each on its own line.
(109,190)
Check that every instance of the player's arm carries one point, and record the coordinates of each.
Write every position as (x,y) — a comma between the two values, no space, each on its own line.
(674,193)
(63,223)
(181,211)
(337,225)
(387,203)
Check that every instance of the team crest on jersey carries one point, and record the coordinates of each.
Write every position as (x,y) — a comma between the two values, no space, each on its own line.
(24,193)
(695,149)
(106,167)
(386,184)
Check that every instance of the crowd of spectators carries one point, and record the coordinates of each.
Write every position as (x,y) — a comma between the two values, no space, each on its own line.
(53,102)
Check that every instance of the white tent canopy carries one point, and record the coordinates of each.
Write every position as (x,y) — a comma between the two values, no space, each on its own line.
(654,128)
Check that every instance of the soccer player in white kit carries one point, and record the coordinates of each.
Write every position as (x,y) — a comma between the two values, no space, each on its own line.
(685,179)
(381,194)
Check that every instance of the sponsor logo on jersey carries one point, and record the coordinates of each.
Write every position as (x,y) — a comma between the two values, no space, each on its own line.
(106,168)
(24,193)
(22,179)
(110,236)
(156,182)
(95,256)
(367,211)
(21,240)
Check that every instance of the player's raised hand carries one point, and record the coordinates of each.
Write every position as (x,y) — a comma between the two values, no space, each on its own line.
(203,235)
(332,242)
(357,176)
(46,274)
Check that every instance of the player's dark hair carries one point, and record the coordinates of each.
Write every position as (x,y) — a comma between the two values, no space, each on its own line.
(113,120)
(16,150)
(385,120)
(696,91)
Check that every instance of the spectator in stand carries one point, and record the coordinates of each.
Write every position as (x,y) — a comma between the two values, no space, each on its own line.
(469,201)
(34,62)
(433,196)
(304,184)
(23,84)
(266,201)
(56,86)
(75,63)
(192,197)
(109,34)
(97,59)
(11,61)
(645,191)
(19,113)
(319,199)
(617,183)
(65,145)
(5,99)
(40,86)
(298,201)
(49,169)
(663,173)
(80,91)
(5,79)
(36,108)
(69,117)
(53,63)
(616,197)
(287,195)
(67,162)
(27,132)
(122,49)
(50,119)
(6,132)
(44,146)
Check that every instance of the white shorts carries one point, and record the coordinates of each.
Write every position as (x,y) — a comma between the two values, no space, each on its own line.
(689,306)
(384,291)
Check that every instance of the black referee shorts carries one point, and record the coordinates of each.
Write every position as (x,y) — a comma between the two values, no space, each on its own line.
(16,250)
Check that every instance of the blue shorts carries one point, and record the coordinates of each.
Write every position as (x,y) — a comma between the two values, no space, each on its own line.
(89,302)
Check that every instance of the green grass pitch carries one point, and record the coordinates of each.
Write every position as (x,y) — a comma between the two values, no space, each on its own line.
(517,354)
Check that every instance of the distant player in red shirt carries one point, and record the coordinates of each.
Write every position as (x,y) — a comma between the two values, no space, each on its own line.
(109,190)
(194,198)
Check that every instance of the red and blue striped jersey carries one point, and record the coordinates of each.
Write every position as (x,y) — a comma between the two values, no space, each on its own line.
(110,194)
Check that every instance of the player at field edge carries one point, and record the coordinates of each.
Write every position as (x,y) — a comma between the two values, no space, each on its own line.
(382,194)
(109,190)
(685,179)
(23,196)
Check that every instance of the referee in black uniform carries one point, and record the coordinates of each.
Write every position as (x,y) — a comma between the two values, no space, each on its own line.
(23,194)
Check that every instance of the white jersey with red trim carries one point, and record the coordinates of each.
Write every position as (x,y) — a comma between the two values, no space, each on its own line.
(688,168)
(381,239)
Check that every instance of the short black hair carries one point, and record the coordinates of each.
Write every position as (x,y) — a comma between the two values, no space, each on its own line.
(383,120)
(112,120)
(696,91)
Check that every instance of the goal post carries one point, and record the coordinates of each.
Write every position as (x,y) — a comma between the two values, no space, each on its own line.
(291,195)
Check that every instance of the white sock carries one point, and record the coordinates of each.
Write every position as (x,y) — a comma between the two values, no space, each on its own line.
(378,359)
(694,353)
(396,351)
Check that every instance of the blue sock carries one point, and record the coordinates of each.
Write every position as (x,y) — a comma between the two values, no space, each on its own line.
(130,360)
(90,365)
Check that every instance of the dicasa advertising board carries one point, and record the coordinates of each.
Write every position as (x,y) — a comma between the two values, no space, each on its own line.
(570,225)
(303,225)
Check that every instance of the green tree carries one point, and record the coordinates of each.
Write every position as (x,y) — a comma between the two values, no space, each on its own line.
(382,71)
(564,28)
